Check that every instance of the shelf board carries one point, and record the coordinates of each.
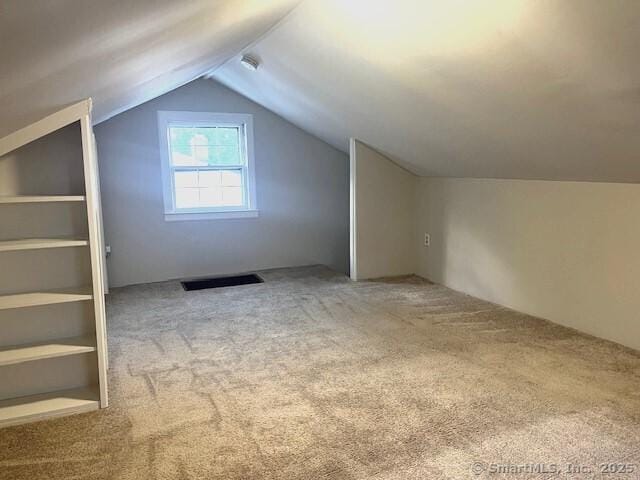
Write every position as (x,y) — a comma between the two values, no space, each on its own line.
(41,198)
(42,350)
(40,243)
(19,410)
(34,299)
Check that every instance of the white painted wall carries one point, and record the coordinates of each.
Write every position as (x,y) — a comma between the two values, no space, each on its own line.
(120,53)
(473,88)
(302,192)
(565,251)
(382,215)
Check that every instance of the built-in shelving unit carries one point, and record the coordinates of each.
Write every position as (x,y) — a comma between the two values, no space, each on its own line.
(51,255)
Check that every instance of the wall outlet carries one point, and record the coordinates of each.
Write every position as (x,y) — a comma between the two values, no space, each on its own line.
(427,239)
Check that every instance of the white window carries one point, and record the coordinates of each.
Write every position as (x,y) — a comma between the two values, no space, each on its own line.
(207,165)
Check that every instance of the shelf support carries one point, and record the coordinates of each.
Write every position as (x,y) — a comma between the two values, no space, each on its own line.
(93,220)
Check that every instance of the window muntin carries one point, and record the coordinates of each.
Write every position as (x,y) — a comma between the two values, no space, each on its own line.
(202,188)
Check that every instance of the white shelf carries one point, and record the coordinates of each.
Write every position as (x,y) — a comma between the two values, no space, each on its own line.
(36,361)
(34,299)
(47,405)
(41,198)
(49,349)
(40,243)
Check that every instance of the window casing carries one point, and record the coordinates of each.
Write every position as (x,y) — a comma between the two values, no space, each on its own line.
(207,165)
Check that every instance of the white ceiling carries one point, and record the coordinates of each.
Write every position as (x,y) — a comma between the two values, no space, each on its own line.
(532,89)
(120,52)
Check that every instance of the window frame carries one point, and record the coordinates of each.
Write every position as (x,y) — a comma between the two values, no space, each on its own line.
(244,121)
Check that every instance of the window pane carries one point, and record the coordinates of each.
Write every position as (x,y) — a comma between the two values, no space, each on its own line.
(232,196)
(224,155)
(231,178)
(186,179)
(187,197)
(202,146)
(211,197)
(210,178)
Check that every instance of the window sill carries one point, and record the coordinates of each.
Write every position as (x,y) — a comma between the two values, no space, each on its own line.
(179,217)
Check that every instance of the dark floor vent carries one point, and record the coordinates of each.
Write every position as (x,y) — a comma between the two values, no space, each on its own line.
(218,282)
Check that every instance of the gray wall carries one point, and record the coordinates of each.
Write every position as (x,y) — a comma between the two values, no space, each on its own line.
(302,187)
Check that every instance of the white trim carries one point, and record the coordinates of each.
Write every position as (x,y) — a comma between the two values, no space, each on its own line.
(245,121)
(33,407)
(41,198)
(178,217)
(43,127)
(353,217)
(96,252)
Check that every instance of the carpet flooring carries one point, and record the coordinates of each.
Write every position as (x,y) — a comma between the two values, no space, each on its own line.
(311,376)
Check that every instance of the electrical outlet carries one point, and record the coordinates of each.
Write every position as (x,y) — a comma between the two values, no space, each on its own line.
(427,239)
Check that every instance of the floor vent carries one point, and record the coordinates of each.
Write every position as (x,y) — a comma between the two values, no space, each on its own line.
(217,282)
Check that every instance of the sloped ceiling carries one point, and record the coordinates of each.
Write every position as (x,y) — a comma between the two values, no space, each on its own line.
(120,52)
(531,89)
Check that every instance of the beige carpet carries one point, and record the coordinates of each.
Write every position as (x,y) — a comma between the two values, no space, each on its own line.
(310,376)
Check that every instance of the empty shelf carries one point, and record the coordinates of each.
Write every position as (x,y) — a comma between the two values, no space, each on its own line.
(49,349)
(34,299)
(40,243)
(41,198)
(19,410)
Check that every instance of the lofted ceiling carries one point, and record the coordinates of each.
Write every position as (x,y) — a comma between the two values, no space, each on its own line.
(530,89)
(120,52)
